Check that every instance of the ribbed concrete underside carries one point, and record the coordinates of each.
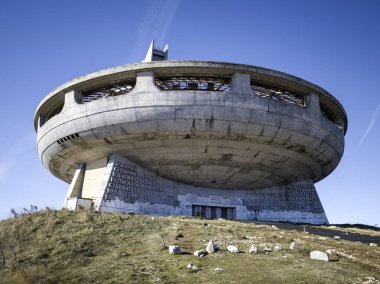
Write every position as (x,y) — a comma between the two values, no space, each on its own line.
(224,160)
(231,139)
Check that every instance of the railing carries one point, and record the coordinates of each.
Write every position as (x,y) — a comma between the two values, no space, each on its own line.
(107,91)
(193,83)
(270,92)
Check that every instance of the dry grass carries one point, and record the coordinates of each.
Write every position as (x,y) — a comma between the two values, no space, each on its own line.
(89,247)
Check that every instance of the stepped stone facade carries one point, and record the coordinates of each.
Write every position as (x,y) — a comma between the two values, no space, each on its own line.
(197,138)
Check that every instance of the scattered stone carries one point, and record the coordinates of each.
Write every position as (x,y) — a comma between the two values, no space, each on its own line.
(369,280)
(233,249)
(210,248)
(200,253)
(192,266)
(253,249)
(218,269)
(278,247)
(292,246)
(267,248)
(372,245)
(319,255)
(174,250)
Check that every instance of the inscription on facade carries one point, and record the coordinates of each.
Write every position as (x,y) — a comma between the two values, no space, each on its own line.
(128,184)
(294,197)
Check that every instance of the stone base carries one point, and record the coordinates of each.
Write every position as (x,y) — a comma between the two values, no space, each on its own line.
(126,187)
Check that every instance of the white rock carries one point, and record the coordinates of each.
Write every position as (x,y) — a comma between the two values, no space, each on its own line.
(192,266)
(292,246)
(322,238)
(200,253)
(319,255)
(210,248)
(253,249)
(274,227)
(336,237)
(174,250)
(373,245)
(233,249)
(218,269)
(332,227)
(278,247)
(370,280)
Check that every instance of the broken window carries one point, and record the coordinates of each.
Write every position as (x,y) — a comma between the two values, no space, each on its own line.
(113,90)
(275,93)
(193,83)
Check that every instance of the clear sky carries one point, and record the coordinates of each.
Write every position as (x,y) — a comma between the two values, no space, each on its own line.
(334,44)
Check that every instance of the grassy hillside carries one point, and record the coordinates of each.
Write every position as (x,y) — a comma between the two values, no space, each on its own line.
(89,247)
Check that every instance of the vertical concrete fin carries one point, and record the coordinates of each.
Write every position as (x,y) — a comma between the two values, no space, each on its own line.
(71,98)
(75,189)
(241,84)
(145,82)
(312,105)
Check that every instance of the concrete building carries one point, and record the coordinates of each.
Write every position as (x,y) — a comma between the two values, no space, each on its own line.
(187,137)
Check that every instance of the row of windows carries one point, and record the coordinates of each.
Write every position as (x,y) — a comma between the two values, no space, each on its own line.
(214,84)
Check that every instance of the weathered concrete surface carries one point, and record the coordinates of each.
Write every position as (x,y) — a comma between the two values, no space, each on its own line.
(259,157)
(126,187)
(231,139)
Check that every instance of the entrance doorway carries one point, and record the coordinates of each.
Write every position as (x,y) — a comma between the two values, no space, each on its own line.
(213,212)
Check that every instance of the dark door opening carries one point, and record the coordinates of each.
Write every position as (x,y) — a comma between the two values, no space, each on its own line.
(213,212)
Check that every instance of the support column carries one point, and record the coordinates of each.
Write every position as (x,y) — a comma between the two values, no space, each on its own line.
(75,189)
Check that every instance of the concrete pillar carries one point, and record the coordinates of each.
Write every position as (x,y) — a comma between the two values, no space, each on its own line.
(241,84)
(312,105)
(71,100)
(75,189)
(145,82)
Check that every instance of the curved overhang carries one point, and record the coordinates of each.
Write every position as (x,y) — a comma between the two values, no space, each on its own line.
(191,67)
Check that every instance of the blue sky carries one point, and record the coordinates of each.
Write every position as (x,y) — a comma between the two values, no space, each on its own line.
(334,44)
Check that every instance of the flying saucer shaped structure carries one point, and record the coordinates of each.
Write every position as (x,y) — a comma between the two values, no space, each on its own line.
(186,137)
